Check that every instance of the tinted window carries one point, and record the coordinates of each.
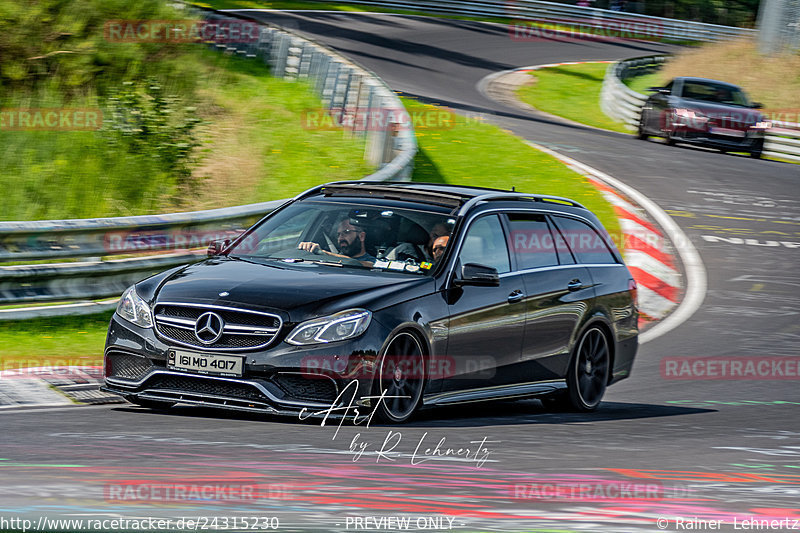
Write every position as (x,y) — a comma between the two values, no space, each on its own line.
(532,241)
(586,244)
(714,92)
(485,244)
(337,229)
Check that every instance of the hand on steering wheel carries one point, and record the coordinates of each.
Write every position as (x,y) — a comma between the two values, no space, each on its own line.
(309,247)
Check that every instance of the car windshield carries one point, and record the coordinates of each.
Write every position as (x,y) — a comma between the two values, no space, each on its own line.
(715,92)
(352,234)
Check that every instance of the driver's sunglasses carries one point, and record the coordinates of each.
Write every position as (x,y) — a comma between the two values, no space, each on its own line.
(346,232)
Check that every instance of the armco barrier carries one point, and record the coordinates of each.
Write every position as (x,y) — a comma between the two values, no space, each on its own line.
(344,88)
(622,103)
(603,20)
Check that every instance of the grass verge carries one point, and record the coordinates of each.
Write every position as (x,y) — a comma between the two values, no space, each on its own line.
(572,92)
(254,147)
(641,84)
(476,153)
(56,341)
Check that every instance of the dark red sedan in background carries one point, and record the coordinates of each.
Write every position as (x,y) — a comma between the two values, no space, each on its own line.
(705,112)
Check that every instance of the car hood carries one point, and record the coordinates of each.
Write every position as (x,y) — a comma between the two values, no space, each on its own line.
(296,291)
(735,115)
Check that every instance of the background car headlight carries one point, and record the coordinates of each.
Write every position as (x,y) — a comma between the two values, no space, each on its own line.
(345,325)
(135,310)
(690,117)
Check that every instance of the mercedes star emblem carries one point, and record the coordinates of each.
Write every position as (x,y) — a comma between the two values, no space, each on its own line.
(208,328)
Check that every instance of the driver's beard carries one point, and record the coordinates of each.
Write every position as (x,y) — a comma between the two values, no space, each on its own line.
(352,249)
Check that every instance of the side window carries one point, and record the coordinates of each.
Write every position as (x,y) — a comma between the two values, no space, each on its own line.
(485,244)
(532,241)
(586,243)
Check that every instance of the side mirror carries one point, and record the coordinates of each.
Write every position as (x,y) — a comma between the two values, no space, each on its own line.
(475,274)
(756,105)
(216,247)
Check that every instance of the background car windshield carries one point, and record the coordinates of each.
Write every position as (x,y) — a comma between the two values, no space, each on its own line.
(396,239)
(715,92)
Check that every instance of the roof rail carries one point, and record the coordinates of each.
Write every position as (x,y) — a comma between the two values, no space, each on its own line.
(517,196)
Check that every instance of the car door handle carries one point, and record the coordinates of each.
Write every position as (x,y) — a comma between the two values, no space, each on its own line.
(575,285)
(516,296)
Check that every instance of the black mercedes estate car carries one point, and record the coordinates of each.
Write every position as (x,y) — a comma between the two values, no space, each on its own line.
(388,298)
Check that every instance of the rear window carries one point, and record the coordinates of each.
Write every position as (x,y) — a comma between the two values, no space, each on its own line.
(587,245)
(534,243)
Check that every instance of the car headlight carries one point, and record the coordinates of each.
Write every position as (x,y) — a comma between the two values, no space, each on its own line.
(132,308)
(690,116)
(344,325)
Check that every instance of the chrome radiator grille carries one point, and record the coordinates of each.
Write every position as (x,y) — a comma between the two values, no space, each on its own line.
(231,329)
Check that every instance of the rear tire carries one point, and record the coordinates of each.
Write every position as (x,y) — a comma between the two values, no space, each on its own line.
(589,369)
(401,373)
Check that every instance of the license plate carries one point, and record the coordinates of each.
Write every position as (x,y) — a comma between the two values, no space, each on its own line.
(206,363)
(727,131)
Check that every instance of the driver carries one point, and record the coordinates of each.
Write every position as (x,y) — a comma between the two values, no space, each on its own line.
(351,243)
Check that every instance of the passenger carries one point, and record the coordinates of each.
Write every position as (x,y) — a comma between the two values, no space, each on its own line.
(351,244)
(439,246)
(439,230)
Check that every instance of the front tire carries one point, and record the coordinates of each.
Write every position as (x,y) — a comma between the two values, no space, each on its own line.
(640,131)
(401,374)
(589,370)
(757,150)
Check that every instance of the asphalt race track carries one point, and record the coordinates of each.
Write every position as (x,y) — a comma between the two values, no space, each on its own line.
(685,450)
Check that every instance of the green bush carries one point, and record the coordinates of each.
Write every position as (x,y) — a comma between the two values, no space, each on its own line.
(61,44)
(141,119)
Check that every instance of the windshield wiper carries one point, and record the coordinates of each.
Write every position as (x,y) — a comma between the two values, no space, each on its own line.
(327,263)
(253,260)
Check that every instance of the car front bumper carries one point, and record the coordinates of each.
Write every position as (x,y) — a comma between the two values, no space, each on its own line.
(281,379)
(752,140)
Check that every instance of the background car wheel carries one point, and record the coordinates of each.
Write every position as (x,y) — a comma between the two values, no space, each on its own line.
(756,152)
(589,370)
(151,404)
(401,373)
(640,134)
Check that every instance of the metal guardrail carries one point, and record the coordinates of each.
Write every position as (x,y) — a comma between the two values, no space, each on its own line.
(345,89)
(619,101)
(622,103)
(602,20)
